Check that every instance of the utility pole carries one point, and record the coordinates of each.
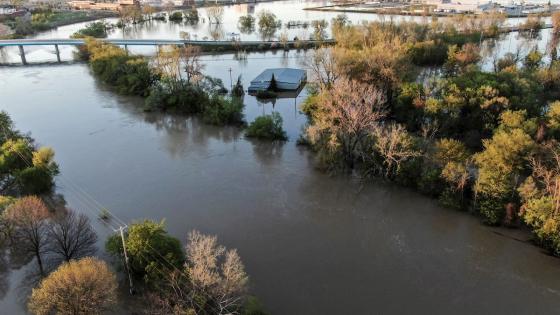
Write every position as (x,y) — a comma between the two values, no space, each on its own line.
(121,229)
(230,81)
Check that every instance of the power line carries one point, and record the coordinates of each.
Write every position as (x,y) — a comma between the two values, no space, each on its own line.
(120,229)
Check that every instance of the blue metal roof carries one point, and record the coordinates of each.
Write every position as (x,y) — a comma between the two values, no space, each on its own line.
(285,75)
(286,79)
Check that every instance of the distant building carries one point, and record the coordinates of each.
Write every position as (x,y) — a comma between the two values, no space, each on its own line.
(478,7)
(109,6)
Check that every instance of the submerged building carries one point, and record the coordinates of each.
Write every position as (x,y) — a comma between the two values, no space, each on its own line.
(285,79)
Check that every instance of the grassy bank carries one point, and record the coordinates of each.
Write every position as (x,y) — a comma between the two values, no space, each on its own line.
(44,20)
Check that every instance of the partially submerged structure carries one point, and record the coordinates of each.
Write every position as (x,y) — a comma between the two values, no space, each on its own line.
(279,79)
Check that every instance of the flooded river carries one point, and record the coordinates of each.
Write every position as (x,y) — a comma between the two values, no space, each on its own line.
(312,243)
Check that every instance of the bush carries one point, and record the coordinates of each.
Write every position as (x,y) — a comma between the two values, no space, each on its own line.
(190,99)
(267,127)
(222,111)
(95,29)
(176,17)
(128,74)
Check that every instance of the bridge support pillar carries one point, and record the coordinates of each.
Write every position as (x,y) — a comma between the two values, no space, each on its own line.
(126,48)
(22,54)
(57,53)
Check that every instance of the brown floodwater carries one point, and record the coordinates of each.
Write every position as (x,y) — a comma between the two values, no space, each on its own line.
(312,243)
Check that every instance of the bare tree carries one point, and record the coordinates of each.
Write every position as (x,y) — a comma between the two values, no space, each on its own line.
(218,273)
(190,57)
(168,65)
(214,281)
(394,145)
(215,13)
(323,67)
(72,236)
(171,60)
(347,114)
(27,220)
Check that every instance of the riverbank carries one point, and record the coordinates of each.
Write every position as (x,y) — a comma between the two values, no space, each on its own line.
(41,21)
(399,9)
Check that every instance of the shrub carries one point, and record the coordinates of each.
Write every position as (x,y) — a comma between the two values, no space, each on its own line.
(267,127)
(176,17)
(95,29)
(190,99)
(223,111)
(128,74)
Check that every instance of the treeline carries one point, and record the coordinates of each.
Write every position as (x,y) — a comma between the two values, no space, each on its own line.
(481,141)
(427,43)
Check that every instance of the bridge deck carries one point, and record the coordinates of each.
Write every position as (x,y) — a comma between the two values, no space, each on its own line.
(147,42)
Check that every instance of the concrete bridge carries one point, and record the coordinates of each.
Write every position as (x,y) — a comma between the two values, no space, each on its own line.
(205,44)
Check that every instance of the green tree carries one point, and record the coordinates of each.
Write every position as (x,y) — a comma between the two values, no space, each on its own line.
(246,24)
(540,194)
(500,167)
(23,170)
(145,241)
(533,60)
(453,158)
(268,24)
